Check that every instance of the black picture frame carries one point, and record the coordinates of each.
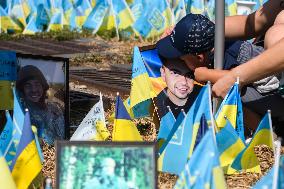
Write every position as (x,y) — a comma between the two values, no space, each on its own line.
(102,147)
(65,63)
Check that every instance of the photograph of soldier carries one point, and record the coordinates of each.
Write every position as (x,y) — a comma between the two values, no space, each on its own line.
(37,94)
(105,165)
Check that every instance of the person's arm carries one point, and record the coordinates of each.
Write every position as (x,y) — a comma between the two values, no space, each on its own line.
(203,74)
(269,62)
(254,24)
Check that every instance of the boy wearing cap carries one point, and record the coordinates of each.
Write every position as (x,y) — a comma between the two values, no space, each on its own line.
(192,40)
(180,92)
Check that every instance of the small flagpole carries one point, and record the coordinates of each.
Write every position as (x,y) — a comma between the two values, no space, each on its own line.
(271,130)
(182,110)
(116,26)
(116,110)
(210,107)
(276,164)
(170,110)
(238,80)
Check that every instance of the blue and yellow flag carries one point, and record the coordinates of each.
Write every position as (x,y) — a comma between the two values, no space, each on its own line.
(56,21)
(247,159)
(173,134)
(18,122)
(166,125)
(27,161)
(140,94)
(19,11)
(6,22)
(231,108)
(8,74)
(179,9)
(152,17)
(124,129)
(6,179)
(184,142)
(31,27)
(197,6)
(42,17)
(123,14)
(95,18)
(230,7)
(229,145)
(79,14)
(7,134)
(203,169)
(153,64)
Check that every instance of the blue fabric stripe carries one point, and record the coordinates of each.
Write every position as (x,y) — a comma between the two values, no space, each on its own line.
(153,62)
(26,139)
(120,110)
(226,137)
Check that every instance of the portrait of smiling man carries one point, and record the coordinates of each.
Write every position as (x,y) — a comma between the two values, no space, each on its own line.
(180,92)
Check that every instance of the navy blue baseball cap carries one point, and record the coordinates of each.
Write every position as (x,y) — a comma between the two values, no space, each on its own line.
(193,34)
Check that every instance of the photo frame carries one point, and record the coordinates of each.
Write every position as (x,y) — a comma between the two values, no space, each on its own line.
(52,73)
(83,164)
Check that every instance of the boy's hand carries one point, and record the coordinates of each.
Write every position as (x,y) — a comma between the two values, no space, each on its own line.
(200,74)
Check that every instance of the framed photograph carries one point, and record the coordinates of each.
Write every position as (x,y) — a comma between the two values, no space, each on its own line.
(42,87)
(100,165)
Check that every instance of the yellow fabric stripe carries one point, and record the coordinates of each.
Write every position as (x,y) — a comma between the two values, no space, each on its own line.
(194,134)
(126,19)
(28,164)
(249,160)
(140,89)
(228,156)
(218,177)
(231,112)
(161,161)
(6,179)
(158,85)
(6,95)
(125,130)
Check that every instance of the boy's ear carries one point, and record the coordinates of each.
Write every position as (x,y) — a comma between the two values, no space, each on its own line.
(200,57)
(162,70)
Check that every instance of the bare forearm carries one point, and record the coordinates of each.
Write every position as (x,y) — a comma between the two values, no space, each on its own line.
(204,74)
(269,62)
(255,24)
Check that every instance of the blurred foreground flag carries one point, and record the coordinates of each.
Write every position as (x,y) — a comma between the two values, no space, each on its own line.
(173,134)
(140,94)
(18,122)
(7,134)
(124,129)
(6,180)
(93,126)
(203,169)
(8,74)
(166,125)
(229,146)
(184,138)
(231,108)
(27,160)
(247,159)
